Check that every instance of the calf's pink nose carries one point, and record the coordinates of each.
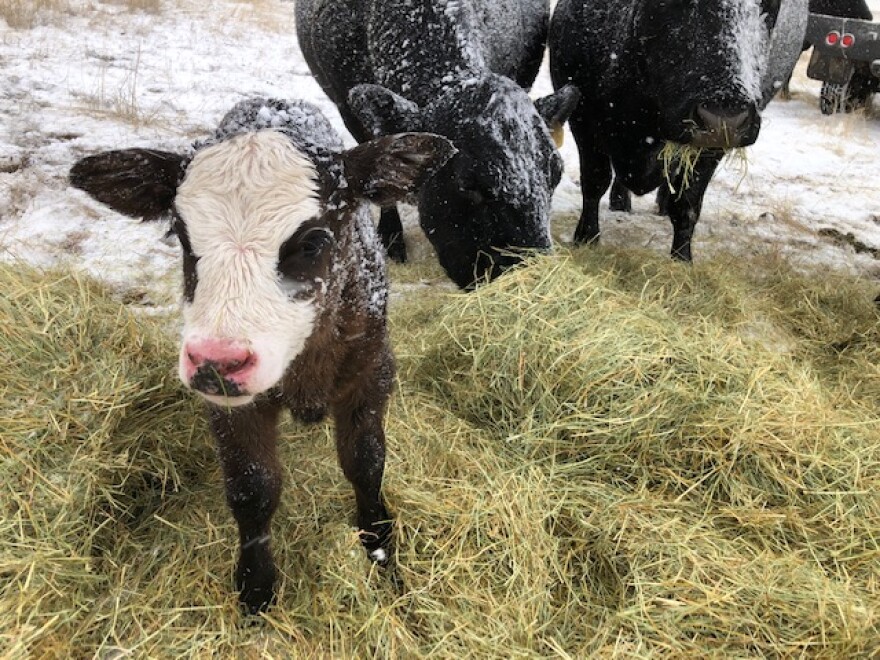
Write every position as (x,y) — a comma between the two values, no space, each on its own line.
(225,357)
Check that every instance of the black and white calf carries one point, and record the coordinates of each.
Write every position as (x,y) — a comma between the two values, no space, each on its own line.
(456,68)
(284,294)
(695,72)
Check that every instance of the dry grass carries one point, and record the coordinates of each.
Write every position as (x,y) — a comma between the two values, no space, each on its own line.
(601,454)
(25,14)
(146,6)
(122,102)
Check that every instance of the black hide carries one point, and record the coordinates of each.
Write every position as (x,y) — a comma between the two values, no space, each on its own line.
(454,68)
(689,71)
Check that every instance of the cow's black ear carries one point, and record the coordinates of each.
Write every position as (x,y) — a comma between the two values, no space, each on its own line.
(557,108)
(387,169)
(382,112)
(140,183)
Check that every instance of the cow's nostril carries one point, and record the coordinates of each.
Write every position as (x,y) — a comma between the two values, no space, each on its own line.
(234,365)
(716,119)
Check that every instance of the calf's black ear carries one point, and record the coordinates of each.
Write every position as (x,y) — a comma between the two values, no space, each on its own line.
(140,183)
(387,169)
(382,112)
(557,108)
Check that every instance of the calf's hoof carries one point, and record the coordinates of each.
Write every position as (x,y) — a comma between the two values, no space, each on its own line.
(378,544)
(256,588)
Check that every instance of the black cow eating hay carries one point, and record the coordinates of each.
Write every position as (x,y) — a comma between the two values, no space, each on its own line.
(284,301)
(455,68)
(693,72)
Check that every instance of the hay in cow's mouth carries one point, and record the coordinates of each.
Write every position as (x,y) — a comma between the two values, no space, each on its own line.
(679,160)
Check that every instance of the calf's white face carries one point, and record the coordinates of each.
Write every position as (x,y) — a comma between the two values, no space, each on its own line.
(240,201)
(260,250)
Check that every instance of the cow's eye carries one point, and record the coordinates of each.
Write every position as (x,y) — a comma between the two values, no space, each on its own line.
(478,190)
(474,195)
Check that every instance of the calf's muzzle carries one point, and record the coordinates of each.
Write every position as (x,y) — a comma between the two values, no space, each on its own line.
(217,367)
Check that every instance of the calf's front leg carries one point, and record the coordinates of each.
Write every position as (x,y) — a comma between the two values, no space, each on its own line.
(360,445)
(246,443)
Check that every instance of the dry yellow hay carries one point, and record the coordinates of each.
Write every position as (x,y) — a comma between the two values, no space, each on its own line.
(603,454)
(679,160)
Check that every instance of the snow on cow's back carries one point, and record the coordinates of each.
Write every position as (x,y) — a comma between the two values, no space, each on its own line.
(785,46)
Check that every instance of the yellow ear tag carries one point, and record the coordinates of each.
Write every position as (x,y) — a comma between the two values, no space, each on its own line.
(558,135)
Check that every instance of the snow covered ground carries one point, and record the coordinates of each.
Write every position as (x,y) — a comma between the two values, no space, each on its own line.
(100,76)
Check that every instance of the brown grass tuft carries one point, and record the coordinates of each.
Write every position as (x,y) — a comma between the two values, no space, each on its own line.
(25,14)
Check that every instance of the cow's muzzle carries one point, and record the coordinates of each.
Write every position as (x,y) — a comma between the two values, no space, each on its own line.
(715,127)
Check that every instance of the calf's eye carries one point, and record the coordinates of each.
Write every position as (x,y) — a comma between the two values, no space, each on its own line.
(314,242)
(304,256)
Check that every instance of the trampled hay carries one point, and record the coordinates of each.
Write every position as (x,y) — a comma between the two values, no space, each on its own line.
(600,453)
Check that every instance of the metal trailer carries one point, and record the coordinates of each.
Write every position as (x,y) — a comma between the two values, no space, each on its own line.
(846,58)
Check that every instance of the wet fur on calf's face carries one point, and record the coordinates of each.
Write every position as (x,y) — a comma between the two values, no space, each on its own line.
(269,213)
(241,202)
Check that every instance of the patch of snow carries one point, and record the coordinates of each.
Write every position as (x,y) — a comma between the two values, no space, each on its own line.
(104,78)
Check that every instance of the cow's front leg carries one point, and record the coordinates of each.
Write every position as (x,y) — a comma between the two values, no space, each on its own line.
(595,179)
(391,234)
(684,207)
(246,443)
(360,444)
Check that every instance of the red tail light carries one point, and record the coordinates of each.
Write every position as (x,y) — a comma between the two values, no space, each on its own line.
(832,37)
(847,40)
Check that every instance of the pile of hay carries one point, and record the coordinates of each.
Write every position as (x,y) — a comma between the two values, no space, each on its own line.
(600,453)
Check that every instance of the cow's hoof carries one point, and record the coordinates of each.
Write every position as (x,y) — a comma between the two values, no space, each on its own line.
(395,248)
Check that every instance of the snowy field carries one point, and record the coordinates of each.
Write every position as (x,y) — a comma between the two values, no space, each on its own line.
(97,75)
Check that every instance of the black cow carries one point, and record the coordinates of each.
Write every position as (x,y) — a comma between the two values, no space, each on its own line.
(284,295)
(845,8)
(695,72)
(454,68)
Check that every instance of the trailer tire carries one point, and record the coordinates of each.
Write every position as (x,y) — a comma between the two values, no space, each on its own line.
(832,98)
